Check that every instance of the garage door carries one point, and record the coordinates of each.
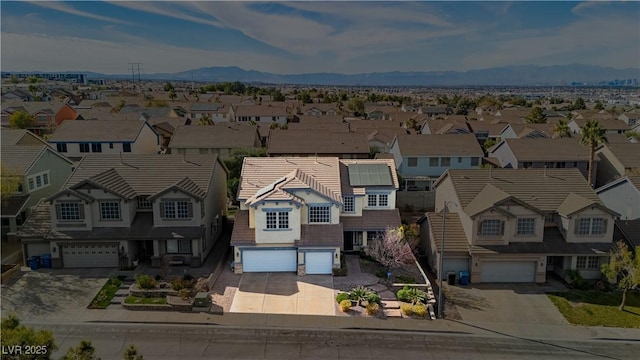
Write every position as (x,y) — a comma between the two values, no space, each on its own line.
(269,260)
(318,262)
(38,249)
(84,256)
(508,271)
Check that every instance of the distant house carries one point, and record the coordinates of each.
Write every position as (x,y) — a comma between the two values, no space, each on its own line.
(217,112)
(78,138)
(41,172)
(527,131)
(622,196)
(318,109)
(318,143)
(260,114)
(67,112)
(437,127)
(118,208)
(616,161)
(217,139)
(510,225)
(542,153)
(422,159)
(300,214)
(435,110)
(611,126)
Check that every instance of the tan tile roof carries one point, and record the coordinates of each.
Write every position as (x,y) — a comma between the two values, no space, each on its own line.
(329,126)
(574,203)
(544,149)
(11,136)
(242,234)
(316,142)
(439,145)
(261,110)
(628,154)
(354,125)
(543,189)
(607,124)
(322,119)
(258,172)
(97,130)
(455,238)
(485,199)
(372,220)
(20,158)
(213,137)
(321,235)
(145,174)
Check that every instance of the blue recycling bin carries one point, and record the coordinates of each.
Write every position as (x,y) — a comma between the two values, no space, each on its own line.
(46,261)
(464,277)
(34,262)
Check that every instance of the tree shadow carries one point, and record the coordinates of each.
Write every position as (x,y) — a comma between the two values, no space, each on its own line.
(465,299)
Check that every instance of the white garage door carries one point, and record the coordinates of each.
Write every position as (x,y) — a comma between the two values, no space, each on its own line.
(318,262)
(38,249)
(84,256)
(508,271)
(269,260)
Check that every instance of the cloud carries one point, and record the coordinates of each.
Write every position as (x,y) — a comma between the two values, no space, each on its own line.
(62,7)
(166,8)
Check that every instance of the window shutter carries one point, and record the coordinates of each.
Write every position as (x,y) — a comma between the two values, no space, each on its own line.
(501,227)
(479,227)
(162,214)
(58,212)
(81,211)
(190,209)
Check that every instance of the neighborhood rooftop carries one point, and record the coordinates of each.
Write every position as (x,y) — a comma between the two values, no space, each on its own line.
(439,145)
(97,130)
(216,136)
(543,149)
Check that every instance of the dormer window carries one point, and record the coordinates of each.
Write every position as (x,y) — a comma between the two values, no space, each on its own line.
(491,227)
(526,226)
(320,214)
(69,211)
(144,202)
(176,209)
(591,226)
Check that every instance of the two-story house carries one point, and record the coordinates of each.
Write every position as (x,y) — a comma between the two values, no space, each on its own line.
(80,137)
(542,153)
(617,160)
(517,225)
(299,214)
(611,126)
(421,159)
(39,171)
(118,208)
(221,139)
(318,143)
(622,196)
(216,112)
(260,114)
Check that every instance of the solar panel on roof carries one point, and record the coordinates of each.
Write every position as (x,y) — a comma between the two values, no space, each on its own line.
(369,175)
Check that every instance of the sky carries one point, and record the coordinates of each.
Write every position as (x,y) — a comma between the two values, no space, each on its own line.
(315,36)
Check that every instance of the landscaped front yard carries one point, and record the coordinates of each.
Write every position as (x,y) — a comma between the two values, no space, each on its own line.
(597,308)
(104,296)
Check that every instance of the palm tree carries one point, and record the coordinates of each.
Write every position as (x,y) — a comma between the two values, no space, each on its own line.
(205,120)
(592,136)
(562,129)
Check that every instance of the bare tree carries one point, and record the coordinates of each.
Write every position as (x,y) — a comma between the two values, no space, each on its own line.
(391,249)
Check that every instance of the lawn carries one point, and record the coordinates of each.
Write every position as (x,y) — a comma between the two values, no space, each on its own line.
(145,300)
(597,308)
(102,300)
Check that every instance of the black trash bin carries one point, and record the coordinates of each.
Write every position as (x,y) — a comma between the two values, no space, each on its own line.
(451,278)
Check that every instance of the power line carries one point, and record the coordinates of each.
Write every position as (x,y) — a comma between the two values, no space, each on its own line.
(135,67)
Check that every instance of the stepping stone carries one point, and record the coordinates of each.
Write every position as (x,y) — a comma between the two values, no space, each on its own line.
(391,304)
(392,313)
(387,295)
(378,288)
(122,292)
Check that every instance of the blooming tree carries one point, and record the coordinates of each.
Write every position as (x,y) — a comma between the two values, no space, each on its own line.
(391,249)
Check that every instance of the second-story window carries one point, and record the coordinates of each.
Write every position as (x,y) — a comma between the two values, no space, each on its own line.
(320,214)
(412,162)
(475,161)
(445,161)
(434,161)
(144,202)
(176,209)
(377,200)
(69,211)
(84,147)
(526,226)
(109,210)
(126,147)
(277,220)
(96,147)
(383,200)
(349,205)
(591,226)
(61,147)
(38,181)
(491,227)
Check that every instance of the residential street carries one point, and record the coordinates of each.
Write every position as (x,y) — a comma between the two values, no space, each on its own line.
(162,341)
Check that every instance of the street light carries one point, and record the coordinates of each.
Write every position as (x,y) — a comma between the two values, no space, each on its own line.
(441,265)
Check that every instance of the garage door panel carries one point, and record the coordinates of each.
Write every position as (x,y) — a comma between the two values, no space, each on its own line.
(89,256)
(508,271)
(319,262)
(38,249)
(269,260)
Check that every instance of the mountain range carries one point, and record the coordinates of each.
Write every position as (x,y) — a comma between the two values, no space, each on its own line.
(524,75)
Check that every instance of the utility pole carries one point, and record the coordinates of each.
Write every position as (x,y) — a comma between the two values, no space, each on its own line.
(135,67)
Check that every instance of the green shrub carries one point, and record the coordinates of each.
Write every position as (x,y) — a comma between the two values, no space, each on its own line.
(406,279)
(178,284)
(184,293)
(420,310)
(372,308)
(342,271)
(342,296)
(360,294)
(145,282)
(406,309)
(412,295)
(345,305)
(374,299)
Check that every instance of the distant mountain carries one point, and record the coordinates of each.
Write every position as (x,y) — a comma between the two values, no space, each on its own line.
(506,75)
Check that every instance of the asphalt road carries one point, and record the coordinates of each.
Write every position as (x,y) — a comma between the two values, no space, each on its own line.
(214,342)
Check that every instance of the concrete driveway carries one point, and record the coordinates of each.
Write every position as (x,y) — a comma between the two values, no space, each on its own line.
(51,294)
(284,293)
(506,303)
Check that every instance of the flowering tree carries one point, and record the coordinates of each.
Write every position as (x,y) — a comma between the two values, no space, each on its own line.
(391,249)
(624,268)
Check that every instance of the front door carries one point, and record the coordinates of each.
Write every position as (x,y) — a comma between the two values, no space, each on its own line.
(348,240)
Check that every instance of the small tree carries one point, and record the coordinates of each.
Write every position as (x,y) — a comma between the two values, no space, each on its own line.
(205,120)
(14,334)
(579,104)
(84,351)
(624,268)
(562,129)
(391,250)
(10,181)
(536,116)
(131,353)
(22,120)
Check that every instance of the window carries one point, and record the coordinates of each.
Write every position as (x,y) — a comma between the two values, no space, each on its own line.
(272,222)
(277,220)
(475,161)
(96,147)
(283,220)
(561,165)
(549,165)
(526,226)
(69,211)
(445,161)
(412,162)
(550,217)
(349,205)
(110,145)
(320,214)
(491,228)
(581,262)
(45,179)
(593,263)
(126,147)
(84,147)
(109,210)
(575,164)
(371,200)
(62,147)
(527,164)
(176,209)
(178,246)
(374,235)
(32,185)
(377,200)
(434,161)
(383,200)
(144,202)
(39,180)
(459,160)
(591,226)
